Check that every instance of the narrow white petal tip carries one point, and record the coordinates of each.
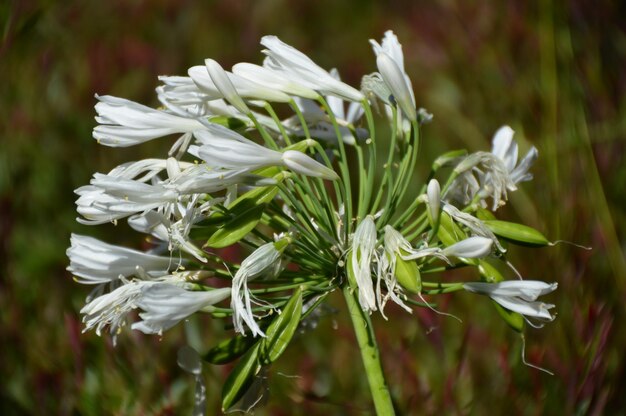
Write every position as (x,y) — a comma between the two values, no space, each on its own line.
(303,164)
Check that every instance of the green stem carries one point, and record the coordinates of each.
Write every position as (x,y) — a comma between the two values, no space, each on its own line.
(370,354)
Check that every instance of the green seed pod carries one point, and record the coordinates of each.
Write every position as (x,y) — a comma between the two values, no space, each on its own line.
(484,214)
(242,376)
(229,350)
(281,330)
(518,233)
(449,232)
(408,275)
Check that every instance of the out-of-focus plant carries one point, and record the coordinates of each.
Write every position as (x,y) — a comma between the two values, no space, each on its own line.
(309,197)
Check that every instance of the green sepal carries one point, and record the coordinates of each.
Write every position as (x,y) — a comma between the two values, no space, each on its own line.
(281,330)
(242,376)
(519,233)
(229,349)
(408,275)
(237,228)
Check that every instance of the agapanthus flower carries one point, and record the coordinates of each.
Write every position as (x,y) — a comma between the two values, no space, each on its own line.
(518,296)
(302,202)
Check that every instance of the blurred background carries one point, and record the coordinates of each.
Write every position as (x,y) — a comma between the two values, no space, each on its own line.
(554,71)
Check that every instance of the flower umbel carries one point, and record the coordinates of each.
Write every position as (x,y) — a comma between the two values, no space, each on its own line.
(305,203)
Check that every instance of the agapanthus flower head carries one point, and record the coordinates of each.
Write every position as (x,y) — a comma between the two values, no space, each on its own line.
(305,203)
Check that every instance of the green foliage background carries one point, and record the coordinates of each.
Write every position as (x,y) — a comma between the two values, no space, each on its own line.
(552,70)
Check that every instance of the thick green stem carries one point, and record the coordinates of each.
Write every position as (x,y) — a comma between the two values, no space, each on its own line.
(370,354)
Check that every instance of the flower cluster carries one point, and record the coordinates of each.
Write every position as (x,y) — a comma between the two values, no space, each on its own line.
(305,199)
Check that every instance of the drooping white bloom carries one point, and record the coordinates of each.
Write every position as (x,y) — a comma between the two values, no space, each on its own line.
(492,174)
(518,296)
(363,252)
(111,309)
(472,247)
(164,305)
(95,262)
(237,152)
(505,148)
(263,260)
(390,62)
(299,68)
(126,123)
(273,80)
(475,225)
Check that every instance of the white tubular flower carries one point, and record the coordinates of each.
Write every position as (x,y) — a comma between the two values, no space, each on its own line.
(363,251)
(151,222)
(470,248)
(242,153)
(273,80)
(300,69)
(95,262)
(110,198)
(392,49)
(203,179)
(225,86)
(475,225)
(505,148)
(304,165)
(165,305)
(433,199)
(263,260)
(125,123)
(518,296)
(396,81)
(112,308)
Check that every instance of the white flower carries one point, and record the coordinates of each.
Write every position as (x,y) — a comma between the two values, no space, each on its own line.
(518,296)
(433,199)
(237,152)
(363,251)
(96,262)
(111,309)
(225,86)
(390,62)
(475,225)
(299,68)
(109,198)
(273,80)
(263,260)
(214,81)
(492,174)
(164,305)
(473,247)
(126,123)
(505,148)
(395,80)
